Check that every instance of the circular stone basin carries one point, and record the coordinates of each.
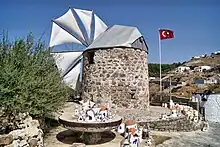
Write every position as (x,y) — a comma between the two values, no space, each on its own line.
(91,130)
(69,122)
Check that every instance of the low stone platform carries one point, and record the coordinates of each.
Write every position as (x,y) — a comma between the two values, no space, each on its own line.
(152,113)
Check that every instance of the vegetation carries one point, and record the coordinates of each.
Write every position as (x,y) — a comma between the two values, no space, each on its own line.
(214,87)
(209,60)
(154,69)
(29,79)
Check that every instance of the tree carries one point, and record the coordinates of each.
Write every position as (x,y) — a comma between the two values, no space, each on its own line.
(29,79)
(154,69)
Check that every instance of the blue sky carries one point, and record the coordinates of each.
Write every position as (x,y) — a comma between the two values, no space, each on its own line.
(196,24)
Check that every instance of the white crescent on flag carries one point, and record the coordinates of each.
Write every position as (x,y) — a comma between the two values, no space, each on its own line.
(164,35)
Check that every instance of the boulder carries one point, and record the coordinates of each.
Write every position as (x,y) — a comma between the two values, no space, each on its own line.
(6,139)
(33,142)
(15,143)
(28,133)
(18,134)
(23,143)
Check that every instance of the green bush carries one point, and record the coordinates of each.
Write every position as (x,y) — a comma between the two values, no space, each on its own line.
(29,79)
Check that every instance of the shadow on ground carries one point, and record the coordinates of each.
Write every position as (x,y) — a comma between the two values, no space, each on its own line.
(70,137)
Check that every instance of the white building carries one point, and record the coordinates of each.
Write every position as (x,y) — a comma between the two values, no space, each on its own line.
(213,80)
(216,53)
(152,78)
(210,107)
(202,68)
(196,57)
(203,56)
(183,68)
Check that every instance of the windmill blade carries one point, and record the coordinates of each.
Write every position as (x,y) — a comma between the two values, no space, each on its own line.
(100,26)
(65,61)
(86,18)
(60,36)
(72,78)
(69,21)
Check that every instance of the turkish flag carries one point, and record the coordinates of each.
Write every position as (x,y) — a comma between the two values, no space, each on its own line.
(166,34)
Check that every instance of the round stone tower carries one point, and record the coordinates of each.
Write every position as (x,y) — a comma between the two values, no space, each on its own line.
(119,74)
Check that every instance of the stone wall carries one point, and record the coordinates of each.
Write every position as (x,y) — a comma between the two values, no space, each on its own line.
(28,133)
(118,74)
(194,105)
(174,124)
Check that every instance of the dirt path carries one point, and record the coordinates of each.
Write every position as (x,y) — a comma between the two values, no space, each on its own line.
(60,137)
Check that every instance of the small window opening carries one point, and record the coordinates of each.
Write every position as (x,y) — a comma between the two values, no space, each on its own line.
(91,57)
(132,95)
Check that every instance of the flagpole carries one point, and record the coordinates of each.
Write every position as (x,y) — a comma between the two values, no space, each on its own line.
(170,87)
(160,66)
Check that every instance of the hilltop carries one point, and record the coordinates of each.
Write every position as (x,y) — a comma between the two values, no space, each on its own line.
(213,60)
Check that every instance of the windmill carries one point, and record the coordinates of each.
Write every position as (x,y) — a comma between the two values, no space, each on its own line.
(67,29)
(117,47)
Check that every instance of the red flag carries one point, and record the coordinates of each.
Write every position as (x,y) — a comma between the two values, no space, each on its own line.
(166,34)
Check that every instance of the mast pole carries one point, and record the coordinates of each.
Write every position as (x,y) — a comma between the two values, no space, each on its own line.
(160,67)
(170,87)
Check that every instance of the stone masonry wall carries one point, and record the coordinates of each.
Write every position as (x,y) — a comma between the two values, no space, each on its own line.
(119,75)
(174,124)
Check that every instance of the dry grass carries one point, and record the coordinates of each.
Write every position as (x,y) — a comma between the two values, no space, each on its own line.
(210,61)
(160,139)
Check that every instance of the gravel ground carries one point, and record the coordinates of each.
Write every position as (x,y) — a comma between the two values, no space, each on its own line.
(193,139)
(153,113)
(178,139)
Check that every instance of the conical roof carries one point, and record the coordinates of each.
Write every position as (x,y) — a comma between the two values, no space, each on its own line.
(119,36)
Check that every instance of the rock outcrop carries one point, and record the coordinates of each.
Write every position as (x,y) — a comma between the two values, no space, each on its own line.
(28,133)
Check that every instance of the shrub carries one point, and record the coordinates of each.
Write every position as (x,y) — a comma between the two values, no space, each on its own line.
(29,79)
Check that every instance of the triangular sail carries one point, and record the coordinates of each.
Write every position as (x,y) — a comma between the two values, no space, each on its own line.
(86,18)
(60,36)
(66,29)
(69,21)
(100,26)
(65,60)
(72,77)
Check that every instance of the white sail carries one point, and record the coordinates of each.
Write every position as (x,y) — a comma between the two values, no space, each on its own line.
(65,60)
(100,26)
(69,21)
(86,18)
(72,77)
(60,36)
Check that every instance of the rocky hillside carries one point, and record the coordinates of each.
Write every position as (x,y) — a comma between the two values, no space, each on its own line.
(189,77)
(213,61)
